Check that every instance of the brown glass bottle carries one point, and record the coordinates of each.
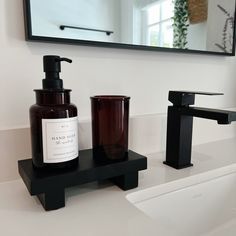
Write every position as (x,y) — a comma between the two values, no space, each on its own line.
(110,116)
(49,105)
(53,121)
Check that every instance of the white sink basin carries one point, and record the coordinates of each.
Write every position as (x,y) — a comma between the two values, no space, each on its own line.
(199,205)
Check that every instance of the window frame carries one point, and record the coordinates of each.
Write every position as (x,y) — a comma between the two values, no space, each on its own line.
(146,26)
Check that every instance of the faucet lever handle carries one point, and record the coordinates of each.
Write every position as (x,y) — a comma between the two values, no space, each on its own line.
(186,98)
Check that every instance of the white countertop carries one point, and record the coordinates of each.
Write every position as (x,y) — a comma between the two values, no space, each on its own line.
(102,209)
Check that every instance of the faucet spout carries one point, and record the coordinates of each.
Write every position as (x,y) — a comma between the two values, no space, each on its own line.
(180,125)
(221,116)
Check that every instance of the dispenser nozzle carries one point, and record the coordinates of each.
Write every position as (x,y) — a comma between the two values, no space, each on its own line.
(52,68)
(63,59)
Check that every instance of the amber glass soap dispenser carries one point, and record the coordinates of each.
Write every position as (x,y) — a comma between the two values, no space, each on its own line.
(53,121)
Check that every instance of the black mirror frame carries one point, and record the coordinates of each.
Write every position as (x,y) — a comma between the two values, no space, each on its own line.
(30,37)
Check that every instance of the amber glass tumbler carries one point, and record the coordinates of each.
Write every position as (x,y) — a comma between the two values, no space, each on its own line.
(110,121)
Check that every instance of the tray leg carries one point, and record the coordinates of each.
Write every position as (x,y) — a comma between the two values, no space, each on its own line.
(127,181)
(53,199)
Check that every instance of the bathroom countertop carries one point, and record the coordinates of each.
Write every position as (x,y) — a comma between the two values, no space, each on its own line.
(102,209)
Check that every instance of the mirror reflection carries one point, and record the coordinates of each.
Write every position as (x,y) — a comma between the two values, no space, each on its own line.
(205,25)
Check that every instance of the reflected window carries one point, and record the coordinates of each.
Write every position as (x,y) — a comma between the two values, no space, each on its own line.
(158,30)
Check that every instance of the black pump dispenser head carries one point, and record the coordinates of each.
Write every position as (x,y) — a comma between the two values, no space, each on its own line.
(52,68)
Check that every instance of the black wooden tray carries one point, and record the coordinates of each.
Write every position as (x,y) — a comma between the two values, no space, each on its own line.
(49,187)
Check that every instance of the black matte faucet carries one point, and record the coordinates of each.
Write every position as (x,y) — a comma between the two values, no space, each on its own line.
(180,125)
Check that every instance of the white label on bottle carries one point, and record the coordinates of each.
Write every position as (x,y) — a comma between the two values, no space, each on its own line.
(60,139)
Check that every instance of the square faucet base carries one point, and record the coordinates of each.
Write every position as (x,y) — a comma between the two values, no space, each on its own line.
(177,167)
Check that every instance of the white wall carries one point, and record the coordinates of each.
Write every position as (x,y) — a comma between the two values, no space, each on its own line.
(145,76)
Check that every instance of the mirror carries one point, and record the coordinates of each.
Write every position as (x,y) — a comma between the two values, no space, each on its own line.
(200,26)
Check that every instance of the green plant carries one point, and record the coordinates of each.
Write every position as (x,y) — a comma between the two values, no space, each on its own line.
(180,23)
